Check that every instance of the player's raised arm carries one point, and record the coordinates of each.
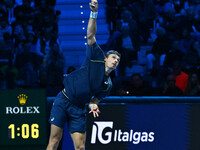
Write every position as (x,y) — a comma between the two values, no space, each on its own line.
(92,27)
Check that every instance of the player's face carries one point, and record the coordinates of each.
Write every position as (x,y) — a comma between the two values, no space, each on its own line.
(112,61)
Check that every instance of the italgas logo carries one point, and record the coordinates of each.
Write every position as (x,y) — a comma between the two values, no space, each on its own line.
(117,135)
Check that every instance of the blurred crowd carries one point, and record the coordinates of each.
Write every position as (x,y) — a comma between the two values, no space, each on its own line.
(31,55)
(171,31)
(30,52)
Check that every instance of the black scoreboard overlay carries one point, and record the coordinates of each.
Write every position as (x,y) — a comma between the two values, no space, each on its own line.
(23,119)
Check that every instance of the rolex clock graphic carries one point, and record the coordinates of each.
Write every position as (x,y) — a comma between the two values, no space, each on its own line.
(23,117)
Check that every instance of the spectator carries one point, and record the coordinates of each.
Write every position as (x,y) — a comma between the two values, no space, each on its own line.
(52,69)
(46,17)
(162,44)
(114,40)
(23,13)
(113,13)
(156,58)
(192,59)
(171,89)
(196,47)
(173,54)
(144,13)
(55,63)
(172,24)
(11,75)
(130,31)
(160,5)
(10,4)
(193,85)
(27,76)
(45,42)
(20,37)
(181,77)
(8,41)
(31,40)
(185,40)
(151,60)
(180,5)
(160,48)
(25,63)
(124,40)
(3,11)
(138,86)
(7,47)
(44,3)
(4,28)
(24,55)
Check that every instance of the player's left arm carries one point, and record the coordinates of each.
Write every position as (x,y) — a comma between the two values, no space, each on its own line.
(93,105)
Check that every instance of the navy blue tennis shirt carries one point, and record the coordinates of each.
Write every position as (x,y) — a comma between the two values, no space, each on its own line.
(90,80)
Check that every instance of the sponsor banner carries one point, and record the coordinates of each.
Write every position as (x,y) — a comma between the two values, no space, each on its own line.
(144,126)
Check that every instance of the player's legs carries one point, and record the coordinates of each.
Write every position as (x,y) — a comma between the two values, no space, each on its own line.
(55,137)
(79,140)
(57,120)
(77,126)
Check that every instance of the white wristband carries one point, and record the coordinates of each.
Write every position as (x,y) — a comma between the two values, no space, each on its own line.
(93,14)
(90,106)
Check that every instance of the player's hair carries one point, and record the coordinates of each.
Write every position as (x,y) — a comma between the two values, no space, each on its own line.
(113,52)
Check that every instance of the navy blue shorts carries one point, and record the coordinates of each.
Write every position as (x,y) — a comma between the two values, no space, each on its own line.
(64,111)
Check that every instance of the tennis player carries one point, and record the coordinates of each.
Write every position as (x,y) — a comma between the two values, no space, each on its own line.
(89,84)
